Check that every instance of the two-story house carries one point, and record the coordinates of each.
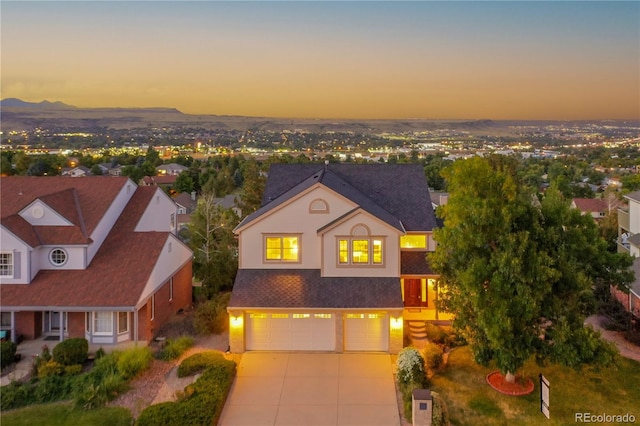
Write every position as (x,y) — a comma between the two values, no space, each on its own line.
(629,242)
(93,257)
(334,259)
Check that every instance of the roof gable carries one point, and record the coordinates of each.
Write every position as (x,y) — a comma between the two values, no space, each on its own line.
(394,193)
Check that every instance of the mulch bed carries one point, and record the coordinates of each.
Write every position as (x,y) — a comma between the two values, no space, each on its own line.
(521,386)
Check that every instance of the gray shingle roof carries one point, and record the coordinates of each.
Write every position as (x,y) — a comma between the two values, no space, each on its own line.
(395,193)
(415,263)
(305,288)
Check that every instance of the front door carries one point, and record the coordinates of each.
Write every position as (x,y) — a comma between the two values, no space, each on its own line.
(413,293)
(51,322)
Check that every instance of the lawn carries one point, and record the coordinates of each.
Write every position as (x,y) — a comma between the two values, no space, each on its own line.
(471,401)
(63,414)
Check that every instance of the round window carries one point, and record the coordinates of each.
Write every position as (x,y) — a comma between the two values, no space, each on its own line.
(58,257)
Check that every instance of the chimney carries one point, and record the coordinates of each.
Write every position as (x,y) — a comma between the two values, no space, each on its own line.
(193,195)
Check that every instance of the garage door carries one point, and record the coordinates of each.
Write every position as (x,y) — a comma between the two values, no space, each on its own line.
(291,332)
(366,332)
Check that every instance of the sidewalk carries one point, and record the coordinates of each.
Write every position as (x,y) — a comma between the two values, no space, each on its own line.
(626,348)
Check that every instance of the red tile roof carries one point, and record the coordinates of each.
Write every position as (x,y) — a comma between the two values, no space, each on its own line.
(593,205)
(116,276)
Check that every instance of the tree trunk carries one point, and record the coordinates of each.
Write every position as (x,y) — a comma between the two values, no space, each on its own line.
(509,377)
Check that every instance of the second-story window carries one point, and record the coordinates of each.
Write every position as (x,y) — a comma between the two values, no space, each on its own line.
(282,248)
(58,257)
(6,264)
(360,251)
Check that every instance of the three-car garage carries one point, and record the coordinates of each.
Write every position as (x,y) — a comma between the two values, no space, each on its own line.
(317,331)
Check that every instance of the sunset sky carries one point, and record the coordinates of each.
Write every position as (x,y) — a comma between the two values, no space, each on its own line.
(495,60)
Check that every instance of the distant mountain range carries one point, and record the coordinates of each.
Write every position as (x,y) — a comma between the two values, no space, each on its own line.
(19,103)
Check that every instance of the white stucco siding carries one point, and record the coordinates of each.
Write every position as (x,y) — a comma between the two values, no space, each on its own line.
(103,228)
(634,217)
(157,216)
(20,253)
(40,214)
(391,249)
(293,217)
(173,256)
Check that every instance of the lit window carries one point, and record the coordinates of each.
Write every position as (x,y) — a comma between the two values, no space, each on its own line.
(123,322)
(301,315)
(6,264)
(257,316)
(360,251)
(355,316)
(413,241)
(284,249)
(323,316)
(102,323)
(279,316)
(58,257)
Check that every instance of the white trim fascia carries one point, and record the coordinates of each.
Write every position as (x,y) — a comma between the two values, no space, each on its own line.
(69,308)
(354,213)
(54,211)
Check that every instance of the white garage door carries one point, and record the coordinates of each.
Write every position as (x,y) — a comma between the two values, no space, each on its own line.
(291,332)
(366,332)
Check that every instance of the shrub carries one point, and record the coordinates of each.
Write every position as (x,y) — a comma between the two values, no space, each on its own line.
(440,415)
(199,362)
(432,355)
(410,367)
(49,389)
(176,347)
(100,353)
(7,353)
(211,316)
(50,368)
(71,351)
(133,361)
(72,370)
(202,401)
(436,334)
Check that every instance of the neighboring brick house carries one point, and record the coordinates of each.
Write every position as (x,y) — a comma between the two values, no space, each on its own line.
(93,257)
(334,259)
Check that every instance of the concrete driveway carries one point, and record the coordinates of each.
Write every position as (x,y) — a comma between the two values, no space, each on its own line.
(309,389)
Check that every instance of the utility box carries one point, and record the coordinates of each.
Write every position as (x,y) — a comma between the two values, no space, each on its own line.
(422,403)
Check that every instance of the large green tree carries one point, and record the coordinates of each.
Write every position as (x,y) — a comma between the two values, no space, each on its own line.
(215,249)
(517,272)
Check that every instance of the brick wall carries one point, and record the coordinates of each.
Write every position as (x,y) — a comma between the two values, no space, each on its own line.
(28,324)
(75,324)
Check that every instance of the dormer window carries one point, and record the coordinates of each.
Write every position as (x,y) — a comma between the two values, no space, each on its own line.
(318,206)
(360,248)
(58,257)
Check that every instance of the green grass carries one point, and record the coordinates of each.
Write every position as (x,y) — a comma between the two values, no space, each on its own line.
(63,414)
(471,401)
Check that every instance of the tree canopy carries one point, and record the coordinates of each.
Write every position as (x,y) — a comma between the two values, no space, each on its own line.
(518,272)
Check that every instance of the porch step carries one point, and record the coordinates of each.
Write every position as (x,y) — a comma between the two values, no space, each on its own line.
(417,330)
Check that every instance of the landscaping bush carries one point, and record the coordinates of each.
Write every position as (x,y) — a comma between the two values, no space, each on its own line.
(133,361)
(440,415)
(50,368)
(71,351)
(432,355)
(73,370)
(436,334)
(199,362)
(49,389)
(410,367)
(176,347)
(7,353)
(211,316)
(100,353)
(203,400)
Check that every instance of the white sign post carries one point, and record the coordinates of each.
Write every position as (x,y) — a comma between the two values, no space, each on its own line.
(544,396)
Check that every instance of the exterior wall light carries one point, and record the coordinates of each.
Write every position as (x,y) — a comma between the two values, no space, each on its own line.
(236,321)
(396,323)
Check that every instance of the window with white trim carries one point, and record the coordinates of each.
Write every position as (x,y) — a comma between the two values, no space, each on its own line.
(282,248)
(58,256)
(360,248)
(103,323)
(6,264)
(123,322)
